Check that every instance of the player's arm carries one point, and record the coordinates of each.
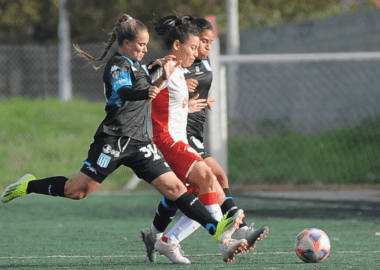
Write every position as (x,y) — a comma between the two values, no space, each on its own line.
(121,81)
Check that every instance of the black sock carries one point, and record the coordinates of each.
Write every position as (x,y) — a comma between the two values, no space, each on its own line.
(195,210)
(165,213)
(53,186)
(230,206)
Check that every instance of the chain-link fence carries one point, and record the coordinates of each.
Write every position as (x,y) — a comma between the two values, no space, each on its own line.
(306,123)
(32,71)
(292,122)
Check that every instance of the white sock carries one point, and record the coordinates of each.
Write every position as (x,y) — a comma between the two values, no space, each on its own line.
(156,234)
(182,229)
(215,211)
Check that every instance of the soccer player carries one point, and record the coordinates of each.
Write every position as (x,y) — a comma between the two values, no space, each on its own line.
(122,138)
(198,78)
(169,120)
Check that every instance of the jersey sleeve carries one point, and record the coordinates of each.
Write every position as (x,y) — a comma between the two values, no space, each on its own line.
(120,77)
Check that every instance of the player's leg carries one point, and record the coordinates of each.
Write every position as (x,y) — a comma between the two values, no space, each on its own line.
(187,226)
(165,213)
(77,188)
(173,189)
(229,206)
(95,169)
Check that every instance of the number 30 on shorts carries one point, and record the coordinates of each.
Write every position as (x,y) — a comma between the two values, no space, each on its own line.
(150,150)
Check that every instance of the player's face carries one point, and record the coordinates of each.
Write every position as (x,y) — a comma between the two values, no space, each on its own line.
(136,49)
(205,39)
(187,52)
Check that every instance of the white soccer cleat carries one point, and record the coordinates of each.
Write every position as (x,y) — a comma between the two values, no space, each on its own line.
(146,236)
(172,251)
(231,247)
(252,235)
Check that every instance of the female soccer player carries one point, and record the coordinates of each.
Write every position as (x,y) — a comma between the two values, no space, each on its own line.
(199,78)
(122,139)
(169,120)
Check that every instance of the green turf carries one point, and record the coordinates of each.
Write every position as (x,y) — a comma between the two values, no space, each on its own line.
(347,156)
(50,137)
(101,232)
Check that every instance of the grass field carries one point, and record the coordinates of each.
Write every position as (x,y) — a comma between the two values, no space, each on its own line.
(50,137)
(101,232)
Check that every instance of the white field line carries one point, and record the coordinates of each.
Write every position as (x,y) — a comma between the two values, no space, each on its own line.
(193,255)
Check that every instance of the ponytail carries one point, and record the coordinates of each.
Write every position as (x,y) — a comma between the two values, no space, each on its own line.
(125,28)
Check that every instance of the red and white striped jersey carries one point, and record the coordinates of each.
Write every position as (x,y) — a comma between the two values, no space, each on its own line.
(170,109)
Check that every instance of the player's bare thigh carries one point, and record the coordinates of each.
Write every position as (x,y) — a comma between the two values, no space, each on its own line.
(169,186)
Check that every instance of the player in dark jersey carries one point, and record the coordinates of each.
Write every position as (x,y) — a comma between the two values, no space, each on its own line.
(199,79)
(121,138)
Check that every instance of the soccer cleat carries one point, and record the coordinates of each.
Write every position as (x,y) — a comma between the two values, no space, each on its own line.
(231,247)
(227,226)
(172,251)
(17,189)
(253,236)
(146,236)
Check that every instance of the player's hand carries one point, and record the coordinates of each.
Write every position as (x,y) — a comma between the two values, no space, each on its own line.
(162,61)
(168,69)
(196,105)
(153,92)
(192,84)
(209,101)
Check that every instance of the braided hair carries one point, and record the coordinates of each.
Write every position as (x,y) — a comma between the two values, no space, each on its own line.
(175,27)
(125,28)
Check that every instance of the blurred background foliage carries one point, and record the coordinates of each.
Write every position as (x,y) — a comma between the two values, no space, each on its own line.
(92,20)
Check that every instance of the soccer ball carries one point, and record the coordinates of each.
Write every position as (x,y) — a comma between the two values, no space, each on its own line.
(312,245)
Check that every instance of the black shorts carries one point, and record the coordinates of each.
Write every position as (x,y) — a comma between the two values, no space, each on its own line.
(107,153)
(197,144)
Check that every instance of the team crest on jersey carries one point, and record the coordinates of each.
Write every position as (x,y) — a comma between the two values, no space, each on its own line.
(103,160)
(198,71)
(115,71)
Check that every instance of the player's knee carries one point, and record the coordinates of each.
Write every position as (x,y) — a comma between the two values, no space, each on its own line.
(210,180)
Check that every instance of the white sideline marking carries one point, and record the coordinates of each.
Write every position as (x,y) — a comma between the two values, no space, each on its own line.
(194,255)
